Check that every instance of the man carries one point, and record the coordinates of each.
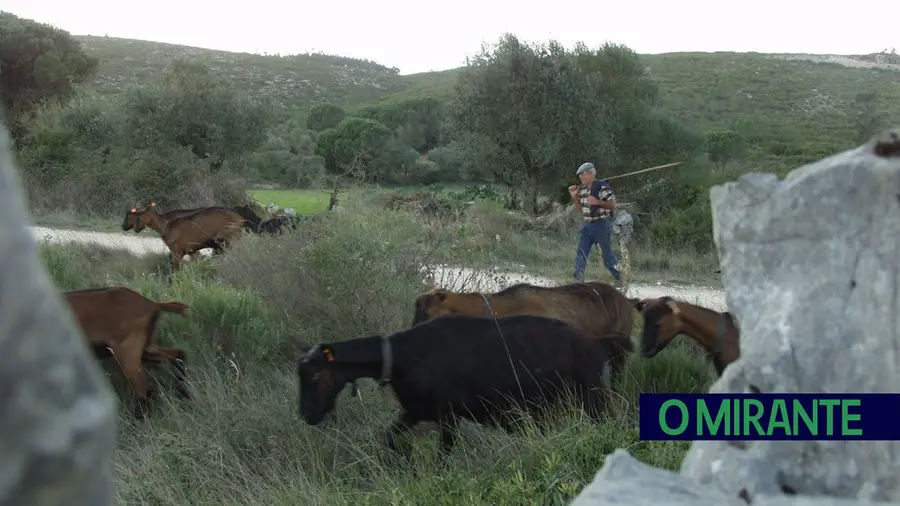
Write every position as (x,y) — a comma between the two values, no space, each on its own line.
(595,201)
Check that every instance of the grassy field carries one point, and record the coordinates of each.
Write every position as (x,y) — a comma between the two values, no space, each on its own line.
(303,201)
(241,442)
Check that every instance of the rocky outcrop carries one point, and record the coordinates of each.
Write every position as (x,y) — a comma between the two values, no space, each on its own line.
(810,268)
(57,411)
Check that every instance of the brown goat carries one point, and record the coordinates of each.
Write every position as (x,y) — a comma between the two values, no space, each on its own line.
(665,318)
(251,219)
(125,322)
(131,221)
(596,308)
(186,235)
(131,217)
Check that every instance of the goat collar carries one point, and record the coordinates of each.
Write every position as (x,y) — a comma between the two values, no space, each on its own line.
(387,361)
(488,310)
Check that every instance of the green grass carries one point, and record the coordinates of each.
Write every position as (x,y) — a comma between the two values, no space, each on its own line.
(240,441)
(303,201)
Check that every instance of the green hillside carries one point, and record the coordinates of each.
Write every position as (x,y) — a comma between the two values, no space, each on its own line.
(772,99)
(293,82)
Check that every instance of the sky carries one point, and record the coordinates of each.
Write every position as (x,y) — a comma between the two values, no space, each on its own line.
(420,36)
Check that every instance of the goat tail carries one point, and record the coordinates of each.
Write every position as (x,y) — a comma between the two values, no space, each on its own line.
(620,343)
(175,307)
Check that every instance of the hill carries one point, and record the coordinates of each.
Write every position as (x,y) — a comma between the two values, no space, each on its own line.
(293,82)
(778,101)
(774,99)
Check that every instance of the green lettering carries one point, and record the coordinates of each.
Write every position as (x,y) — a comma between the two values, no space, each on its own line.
(662,417)
(754,418)
(704,416)
(779,418)
(811,423)
(737,419)
(846,417)
(829,418)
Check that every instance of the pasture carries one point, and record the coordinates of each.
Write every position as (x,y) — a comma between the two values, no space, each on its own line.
(241,441)
(303,201)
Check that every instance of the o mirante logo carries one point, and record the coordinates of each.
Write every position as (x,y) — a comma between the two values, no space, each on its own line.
(769,416)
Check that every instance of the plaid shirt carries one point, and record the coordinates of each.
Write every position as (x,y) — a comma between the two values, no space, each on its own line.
(598,190)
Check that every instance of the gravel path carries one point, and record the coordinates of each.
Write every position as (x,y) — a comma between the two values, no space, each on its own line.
(452,277)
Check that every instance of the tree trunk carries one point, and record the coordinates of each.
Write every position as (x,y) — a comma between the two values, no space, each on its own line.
(533,195)
(512,201)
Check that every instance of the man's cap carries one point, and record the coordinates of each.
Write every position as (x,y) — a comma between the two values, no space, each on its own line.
(585,167)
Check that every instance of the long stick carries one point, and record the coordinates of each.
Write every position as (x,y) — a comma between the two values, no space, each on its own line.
(644,170)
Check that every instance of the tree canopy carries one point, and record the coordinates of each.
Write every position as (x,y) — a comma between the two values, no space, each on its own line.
(37,62)
(193,109)
(549,109)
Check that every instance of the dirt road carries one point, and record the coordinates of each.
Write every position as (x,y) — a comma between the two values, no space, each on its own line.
(452,277)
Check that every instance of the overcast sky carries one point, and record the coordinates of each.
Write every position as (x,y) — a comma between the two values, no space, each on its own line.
(418,36)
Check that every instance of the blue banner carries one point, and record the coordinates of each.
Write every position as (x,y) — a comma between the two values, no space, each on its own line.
(774,417)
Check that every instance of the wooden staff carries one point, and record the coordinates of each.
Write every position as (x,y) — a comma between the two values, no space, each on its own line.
(644,170)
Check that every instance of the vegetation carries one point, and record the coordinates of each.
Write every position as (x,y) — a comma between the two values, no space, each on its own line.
(241,442)
(121,121)
(463,167)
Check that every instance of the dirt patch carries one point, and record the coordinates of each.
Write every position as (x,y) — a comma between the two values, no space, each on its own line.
(445,276)
(465,278)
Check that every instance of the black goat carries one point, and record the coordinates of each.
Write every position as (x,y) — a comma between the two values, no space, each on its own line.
(464,366)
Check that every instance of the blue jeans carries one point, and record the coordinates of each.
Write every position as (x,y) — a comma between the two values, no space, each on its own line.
(600,233)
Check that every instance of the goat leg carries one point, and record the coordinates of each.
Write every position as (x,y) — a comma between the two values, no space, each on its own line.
(401,426)
(449,426)
(179,370)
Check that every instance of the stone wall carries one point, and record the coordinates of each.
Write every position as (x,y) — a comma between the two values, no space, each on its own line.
(57,411)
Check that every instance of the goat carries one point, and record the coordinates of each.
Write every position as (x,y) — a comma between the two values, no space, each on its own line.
(251,220)
(458,366)
(189,234)
(125,322)
(278,224)
(664,318)
(596,308)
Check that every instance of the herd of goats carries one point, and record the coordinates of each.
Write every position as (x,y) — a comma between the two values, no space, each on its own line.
(473,355)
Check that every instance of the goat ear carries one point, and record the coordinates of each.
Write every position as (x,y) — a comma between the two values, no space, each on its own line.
(638,304)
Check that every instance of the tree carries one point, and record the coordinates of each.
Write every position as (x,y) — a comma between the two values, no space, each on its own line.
(535,103)
(38,62)
(482,156)
(324,116)
(417,122)
(724,146)
(363,143)
(194,109)
(638,134)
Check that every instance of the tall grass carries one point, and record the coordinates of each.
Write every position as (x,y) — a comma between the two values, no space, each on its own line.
(240,440)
